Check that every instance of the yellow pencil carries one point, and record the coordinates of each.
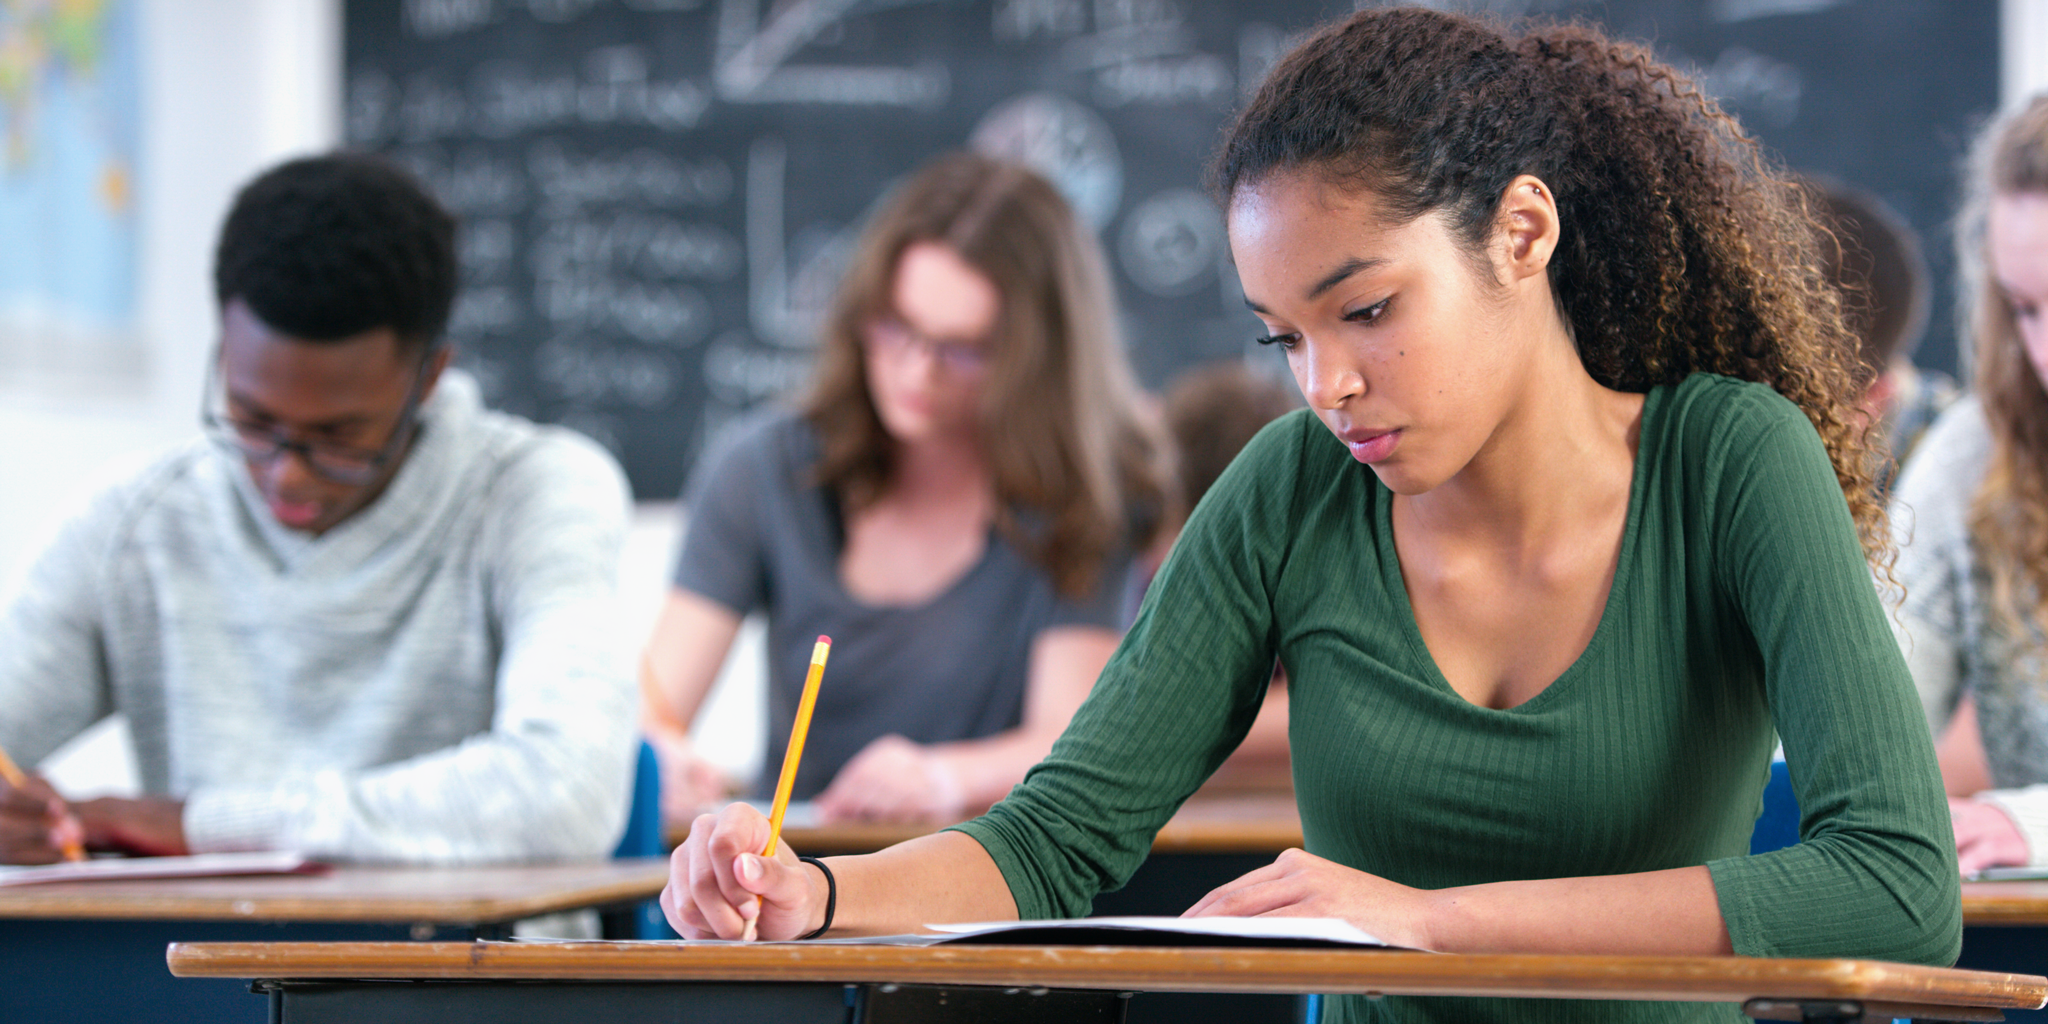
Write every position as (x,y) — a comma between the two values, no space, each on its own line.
(798,730)
(18,780)
(797,733)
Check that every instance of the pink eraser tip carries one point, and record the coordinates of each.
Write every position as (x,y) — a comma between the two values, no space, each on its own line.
(823,639)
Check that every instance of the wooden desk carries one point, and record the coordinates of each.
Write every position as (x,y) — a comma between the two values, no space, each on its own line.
(94,950)
(2004,930)
(587,975)
(462,897)
(1260,823)
(2005,903)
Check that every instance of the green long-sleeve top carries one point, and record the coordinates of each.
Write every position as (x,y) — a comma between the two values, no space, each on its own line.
(1741,602)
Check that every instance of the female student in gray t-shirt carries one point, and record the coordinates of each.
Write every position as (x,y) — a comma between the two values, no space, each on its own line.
(955,502)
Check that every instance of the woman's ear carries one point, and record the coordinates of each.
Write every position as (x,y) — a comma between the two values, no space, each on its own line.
(1528,229)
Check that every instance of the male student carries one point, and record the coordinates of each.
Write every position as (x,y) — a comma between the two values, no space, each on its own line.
(1875,259)
(364,618)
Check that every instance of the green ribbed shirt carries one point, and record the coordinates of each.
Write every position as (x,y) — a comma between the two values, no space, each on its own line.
(1741,604)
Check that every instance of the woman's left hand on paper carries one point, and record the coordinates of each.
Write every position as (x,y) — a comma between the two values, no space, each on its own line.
(1985,837)
(893,779)
(1301,884)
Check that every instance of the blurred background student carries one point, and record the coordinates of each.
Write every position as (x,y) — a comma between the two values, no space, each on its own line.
(1972,519)
(957,503)
(365,618)
(1875,258)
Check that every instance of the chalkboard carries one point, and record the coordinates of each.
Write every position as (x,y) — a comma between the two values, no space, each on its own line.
(658,195)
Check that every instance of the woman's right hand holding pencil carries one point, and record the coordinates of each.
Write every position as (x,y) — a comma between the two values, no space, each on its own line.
(36,825)
(718,882)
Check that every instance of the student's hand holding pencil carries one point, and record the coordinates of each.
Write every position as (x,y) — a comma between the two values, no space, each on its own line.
(719,883)
(36,825)
(733,878)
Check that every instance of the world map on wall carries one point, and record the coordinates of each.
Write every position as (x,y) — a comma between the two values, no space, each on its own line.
(69,139)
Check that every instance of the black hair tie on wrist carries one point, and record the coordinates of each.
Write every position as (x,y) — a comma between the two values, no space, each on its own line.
(831,897)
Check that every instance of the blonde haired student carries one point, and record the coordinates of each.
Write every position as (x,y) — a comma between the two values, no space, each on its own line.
(1972,519)
(1576,522)
(956,502)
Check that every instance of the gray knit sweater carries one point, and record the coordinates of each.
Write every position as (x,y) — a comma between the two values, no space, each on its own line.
(437,679)
(1953,642)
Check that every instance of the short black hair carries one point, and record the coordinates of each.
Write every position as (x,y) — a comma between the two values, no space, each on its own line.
(1875,260)
(328,247)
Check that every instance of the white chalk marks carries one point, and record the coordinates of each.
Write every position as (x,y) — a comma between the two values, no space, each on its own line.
(1173,243)
(752,62)
(1064,141)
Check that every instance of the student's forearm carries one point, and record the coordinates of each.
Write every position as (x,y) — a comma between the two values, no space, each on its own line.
(1672,912)
(930,880)
(986,768)
(682,659)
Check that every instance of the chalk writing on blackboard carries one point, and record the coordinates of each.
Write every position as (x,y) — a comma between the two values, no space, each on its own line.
(659,196)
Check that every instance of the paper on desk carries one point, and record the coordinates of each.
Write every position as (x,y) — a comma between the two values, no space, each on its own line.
(269,862)
(1110,931)
(1167,931)
(2008,875)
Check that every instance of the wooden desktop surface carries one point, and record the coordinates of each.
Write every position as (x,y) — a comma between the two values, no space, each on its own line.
(1256,821)
(2005,903)
(1706,979)
(353,893)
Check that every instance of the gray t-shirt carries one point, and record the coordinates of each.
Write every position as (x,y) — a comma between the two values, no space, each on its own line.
(762,534)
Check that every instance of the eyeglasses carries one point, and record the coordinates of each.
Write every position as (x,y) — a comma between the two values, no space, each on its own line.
(890,336)
(336,463)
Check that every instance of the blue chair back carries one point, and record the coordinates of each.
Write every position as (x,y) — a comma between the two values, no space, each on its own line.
(643,815)
(1778,826)
(643,838)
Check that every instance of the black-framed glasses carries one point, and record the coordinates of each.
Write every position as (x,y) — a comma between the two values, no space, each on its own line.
(337,463)
(889,335)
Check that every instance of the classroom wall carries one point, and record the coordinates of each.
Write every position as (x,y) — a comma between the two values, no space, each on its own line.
(231,87)
(2024,27)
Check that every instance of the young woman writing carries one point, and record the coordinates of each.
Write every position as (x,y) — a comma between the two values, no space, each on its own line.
(956,503)
(1559,545)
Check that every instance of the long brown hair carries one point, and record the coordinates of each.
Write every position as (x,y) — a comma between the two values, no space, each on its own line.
(1682,249)
(2009,515)
(1077,471)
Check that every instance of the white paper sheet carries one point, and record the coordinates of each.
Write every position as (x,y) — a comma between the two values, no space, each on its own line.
(1307,929)
(269,862)
(2008,875)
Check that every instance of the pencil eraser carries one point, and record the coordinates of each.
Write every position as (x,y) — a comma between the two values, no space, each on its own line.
(823,639)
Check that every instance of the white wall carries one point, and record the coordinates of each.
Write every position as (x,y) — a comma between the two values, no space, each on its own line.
(2024,25)
(230,86)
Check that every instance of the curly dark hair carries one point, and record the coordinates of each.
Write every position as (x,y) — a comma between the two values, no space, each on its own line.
(1682,248)
(327,247)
